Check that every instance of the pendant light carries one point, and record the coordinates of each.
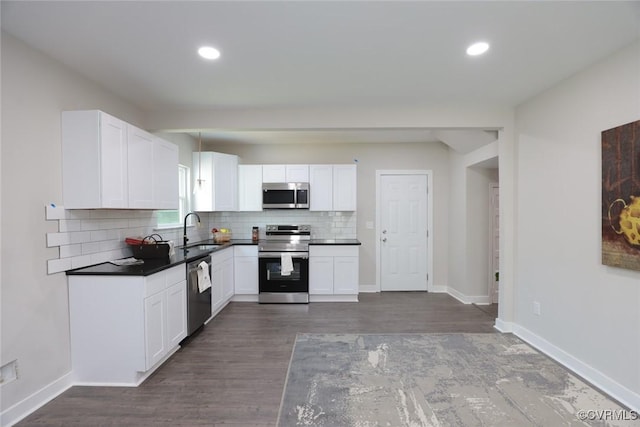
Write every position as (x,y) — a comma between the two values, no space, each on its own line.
(199,180)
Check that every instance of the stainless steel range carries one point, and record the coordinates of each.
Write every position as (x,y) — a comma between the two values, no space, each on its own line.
(284,264)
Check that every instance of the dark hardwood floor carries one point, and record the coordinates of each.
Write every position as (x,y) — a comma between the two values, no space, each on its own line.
(233,371)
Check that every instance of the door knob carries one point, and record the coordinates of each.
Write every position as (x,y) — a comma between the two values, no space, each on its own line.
(384,239)
(384,231)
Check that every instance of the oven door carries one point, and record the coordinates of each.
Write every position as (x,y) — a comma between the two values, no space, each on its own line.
(278,196)
(275,287)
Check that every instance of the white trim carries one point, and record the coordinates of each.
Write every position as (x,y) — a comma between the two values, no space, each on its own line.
(30,404)
(439,289)
(502,326)
(467,299)
(429,175)
(609,386)
(371,288)
(245,298)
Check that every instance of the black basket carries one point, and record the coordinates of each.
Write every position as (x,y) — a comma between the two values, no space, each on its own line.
(157,249)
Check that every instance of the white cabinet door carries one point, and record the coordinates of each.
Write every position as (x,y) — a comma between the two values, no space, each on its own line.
(345,275)
(226,182)
(344,187)
(321,275)
(250,187)
(165,175)
(215,181)
(333,270)
(140,167)
(297,173)
(176,296)
(246,270)
(217,279)
(154,327)
(227,278)
(321,187)
(113,155)
(94,160)
(274,173)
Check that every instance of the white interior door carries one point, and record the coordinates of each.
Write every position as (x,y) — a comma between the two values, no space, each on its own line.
(403,232)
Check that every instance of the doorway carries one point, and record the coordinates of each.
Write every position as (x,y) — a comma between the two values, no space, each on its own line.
(494,253)
(403,247)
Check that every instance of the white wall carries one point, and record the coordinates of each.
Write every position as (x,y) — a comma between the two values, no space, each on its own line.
(590,313)
(35,318)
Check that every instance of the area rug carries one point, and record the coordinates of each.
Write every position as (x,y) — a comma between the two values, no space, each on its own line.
(420,380)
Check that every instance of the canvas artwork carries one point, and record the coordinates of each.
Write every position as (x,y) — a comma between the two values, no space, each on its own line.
(621,196)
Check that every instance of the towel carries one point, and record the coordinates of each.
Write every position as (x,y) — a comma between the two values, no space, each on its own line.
(286,264)
(204,281)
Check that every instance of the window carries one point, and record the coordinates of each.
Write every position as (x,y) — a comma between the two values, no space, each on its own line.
(173,218)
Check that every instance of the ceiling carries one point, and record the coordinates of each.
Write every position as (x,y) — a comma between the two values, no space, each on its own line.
(324,54)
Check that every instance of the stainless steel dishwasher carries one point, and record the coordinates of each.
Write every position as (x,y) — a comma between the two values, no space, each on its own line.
(198,303)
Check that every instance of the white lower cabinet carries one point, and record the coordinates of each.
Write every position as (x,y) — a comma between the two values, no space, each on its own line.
(123,327)
(333,271)
(246,270)
(221,279)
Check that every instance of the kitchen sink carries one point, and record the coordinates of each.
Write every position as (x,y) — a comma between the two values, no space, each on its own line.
(205,247)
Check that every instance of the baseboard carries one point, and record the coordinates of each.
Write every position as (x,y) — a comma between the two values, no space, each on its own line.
(245,298)
(468,299)
(368,289)
(437,289)
(502,326)
(609,386)
(28,405)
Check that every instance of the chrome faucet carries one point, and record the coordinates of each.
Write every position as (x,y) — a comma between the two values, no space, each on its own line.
(184,230)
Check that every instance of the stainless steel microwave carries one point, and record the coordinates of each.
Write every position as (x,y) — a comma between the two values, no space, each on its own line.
(289,195)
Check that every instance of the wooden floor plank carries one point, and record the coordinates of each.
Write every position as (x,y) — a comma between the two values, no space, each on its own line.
(233,371)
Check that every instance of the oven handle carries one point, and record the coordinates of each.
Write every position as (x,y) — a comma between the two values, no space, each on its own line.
(297,255)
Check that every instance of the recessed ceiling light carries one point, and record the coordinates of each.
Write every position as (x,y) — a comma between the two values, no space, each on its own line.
(477,48)
(208,52)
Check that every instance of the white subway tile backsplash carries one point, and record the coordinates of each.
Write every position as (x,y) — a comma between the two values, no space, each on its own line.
(65,225)
(58,265)
(79,237)
(53,212)
(58,239)
(90,248)
(69,251)
(81,261)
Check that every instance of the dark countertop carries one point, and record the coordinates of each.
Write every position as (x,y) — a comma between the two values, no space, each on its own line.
(354,242)
(181,256)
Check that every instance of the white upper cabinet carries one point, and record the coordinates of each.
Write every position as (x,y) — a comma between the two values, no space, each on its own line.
(153,171)
(165,175)
(250,187)
(215,181)
(285,173)
(297,173)
(140,160)
(333,187)
(107,163)
(94,160)
(321,187)
(344,187)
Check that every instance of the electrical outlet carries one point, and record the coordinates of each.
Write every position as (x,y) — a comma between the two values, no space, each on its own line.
(9,372)
(536,308)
